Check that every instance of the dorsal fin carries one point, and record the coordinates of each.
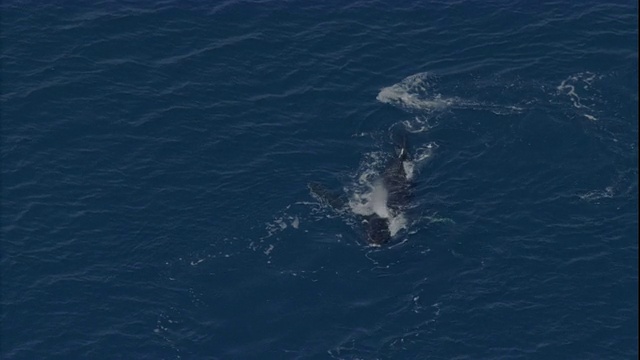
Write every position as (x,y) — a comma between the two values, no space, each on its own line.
(399,140)
(403,154)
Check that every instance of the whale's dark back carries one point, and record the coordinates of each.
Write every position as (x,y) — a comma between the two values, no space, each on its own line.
(396,181)
(398,188)
(377,229)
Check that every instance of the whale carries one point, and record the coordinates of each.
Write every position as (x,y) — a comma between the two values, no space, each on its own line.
(395,185)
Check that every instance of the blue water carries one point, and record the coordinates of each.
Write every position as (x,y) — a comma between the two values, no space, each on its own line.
(156,157)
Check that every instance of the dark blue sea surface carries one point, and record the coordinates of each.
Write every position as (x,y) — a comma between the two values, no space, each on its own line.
(156,158)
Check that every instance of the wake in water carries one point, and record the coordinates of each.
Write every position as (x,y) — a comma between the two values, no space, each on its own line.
(418,93)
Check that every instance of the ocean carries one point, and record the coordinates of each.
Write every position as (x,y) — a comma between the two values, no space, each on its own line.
(157,160)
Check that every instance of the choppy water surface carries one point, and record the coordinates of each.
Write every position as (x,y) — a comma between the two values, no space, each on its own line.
(156,161)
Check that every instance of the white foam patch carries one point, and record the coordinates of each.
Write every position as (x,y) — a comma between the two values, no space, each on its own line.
(580,83)
(420,157)
(414,92)
(397,223)
(418,124)
(598,194)
(424,152)
(371,202)
(418,92)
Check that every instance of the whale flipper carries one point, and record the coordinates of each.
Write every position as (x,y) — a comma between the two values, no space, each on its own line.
(334,200)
